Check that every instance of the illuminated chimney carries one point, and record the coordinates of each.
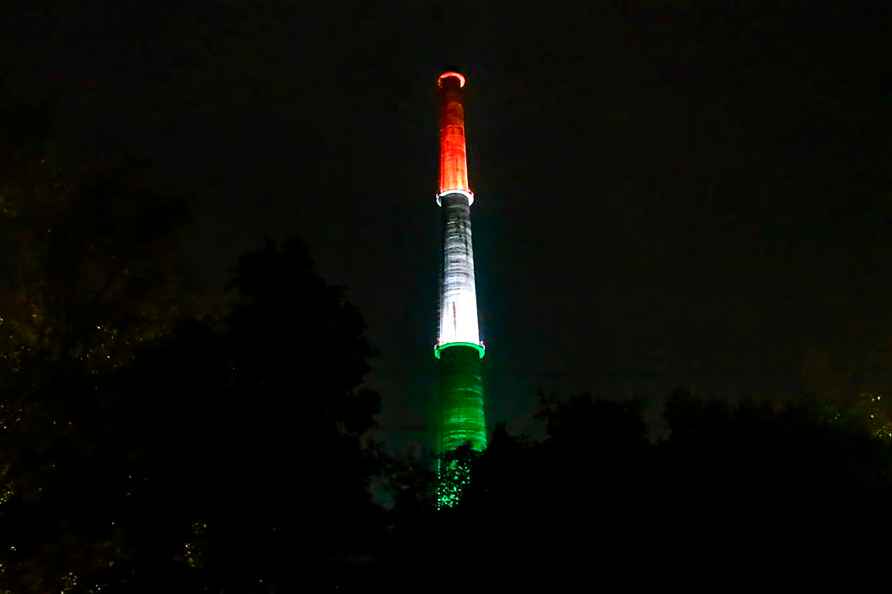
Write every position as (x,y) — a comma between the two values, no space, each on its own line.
(459,350)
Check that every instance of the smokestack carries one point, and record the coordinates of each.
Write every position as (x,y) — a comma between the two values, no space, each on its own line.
(459,351)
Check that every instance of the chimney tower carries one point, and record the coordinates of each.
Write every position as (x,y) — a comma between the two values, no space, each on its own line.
(459,350)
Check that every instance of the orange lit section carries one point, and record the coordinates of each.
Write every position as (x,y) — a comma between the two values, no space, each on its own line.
(453,155)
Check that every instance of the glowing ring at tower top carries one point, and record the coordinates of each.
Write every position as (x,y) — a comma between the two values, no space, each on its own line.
(452,74)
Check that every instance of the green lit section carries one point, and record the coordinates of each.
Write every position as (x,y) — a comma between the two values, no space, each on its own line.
(462,422)
(474,345)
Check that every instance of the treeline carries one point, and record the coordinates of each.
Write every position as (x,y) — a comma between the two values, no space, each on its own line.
(731,492)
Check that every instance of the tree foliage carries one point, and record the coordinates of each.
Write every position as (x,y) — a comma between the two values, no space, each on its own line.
(91,268)
(226,455)
(599,499)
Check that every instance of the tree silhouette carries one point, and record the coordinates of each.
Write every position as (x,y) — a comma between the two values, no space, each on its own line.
(732,488)
(226,455)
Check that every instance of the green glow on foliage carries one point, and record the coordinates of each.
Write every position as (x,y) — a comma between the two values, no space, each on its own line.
(453,476)
(474,345)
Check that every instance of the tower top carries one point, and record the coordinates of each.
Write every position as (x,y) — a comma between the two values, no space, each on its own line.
(451,74)
(453,152)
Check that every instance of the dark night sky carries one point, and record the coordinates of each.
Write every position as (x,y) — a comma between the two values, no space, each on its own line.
(668,194)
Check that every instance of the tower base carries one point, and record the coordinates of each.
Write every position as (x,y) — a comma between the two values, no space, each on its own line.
(462,427)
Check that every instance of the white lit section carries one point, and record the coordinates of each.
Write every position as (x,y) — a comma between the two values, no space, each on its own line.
(458,295)
(458,318)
